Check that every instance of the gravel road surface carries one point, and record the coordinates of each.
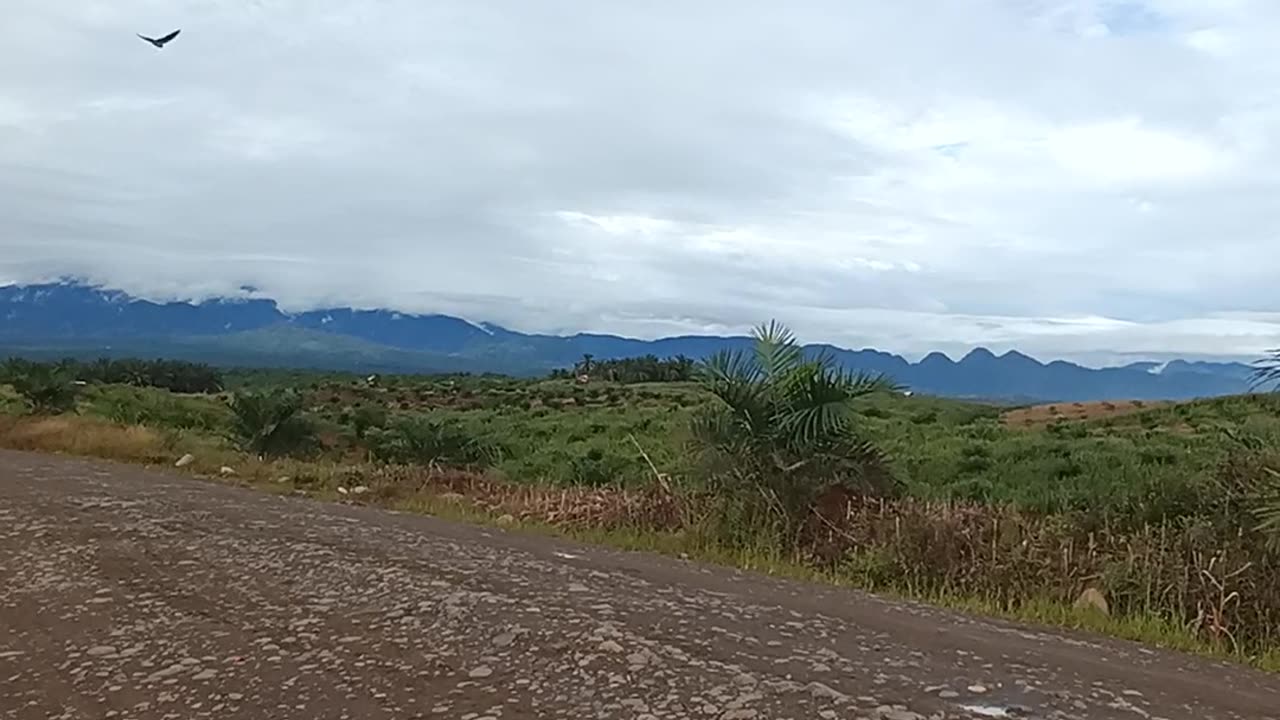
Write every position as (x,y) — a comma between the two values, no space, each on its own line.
(128,593)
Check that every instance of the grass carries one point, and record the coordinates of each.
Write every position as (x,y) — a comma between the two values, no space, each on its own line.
(81,436)
(1104,490)
(1144,465)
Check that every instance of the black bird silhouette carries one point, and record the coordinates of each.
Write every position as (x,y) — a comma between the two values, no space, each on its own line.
(161,42)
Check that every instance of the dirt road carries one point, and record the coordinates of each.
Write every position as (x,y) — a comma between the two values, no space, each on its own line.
(126,593)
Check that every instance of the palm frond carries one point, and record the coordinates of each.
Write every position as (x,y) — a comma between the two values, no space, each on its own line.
(867,467)
(720,432)
(776,349)
(1267,509)
(860,384)
(806,426)
(824,359)
(1267,370)
(735,378)
(729,367)
(817,405)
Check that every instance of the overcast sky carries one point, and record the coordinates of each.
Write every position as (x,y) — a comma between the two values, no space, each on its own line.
(1074,179)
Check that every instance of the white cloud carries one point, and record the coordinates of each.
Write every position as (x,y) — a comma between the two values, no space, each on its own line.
(1077,178)
(1123,151)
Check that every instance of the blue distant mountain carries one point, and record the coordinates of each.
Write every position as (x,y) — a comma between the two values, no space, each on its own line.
(70,318)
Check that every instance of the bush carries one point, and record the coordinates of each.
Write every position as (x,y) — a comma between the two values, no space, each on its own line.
(270,422)
(596,468)
(46,389)
(420,439)
(367,417)
(157,409)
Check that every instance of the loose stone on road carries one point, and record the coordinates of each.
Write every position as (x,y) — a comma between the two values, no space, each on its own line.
(129,593)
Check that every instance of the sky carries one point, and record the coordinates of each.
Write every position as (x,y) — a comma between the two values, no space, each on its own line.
(1088,179)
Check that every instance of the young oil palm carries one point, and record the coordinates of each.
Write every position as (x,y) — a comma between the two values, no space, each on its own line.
(783,427)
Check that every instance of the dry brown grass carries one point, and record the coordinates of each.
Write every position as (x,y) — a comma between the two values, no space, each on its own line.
(570,508)
(82,436)
(1219,583)
(1039,416)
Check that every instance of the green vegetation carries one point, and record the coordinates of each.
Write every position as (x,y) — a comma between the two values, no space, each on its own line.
(154,408)
(783,431)
(47,389)
(643,369)
(173,375)
(767,459)
(417,439)
(270,422)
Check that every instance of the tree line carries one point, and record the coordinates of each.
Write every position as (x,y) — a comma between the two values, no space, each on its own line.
(173,375)
(645,368)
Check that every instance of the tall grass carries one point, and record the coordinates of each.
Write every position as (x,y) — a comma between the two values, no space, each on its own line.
(156,408)
(83,436)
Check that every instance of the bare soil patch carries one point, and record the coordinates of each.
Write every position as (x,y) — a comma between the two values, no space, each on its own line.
(1038,416)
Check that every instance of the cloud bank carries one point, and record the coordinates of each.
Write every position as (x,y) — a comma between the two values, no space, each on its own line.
(1085,179)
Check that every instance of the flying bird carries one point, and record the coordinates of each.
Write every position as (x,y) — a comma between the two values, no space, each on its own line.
(160,43)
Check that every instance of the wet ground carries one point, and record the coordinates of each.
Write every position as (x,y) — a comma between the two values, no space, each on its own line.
(127,593)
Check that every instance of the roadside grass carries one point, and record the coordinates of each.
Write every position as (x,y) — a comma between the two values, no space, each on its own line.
(614,517)
(83,436)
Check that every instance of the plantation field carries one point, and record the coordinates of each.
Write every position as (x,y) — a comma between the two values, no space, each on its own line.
(1131,463)
(1160,506)
(1139,463)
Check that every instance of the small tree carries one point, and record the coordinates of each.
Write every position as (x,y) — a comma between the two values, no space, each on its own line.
(368,417)
(270,422)
(783,429)
(46,389)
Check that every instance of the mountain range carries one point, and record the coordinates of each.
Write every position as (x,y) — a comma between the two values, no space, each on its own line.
(71,318)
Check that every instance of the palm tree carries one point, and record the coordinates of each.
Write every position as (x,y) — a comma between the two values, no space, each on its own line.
(783,427)
(47,388)
(1266,498)
(270,422)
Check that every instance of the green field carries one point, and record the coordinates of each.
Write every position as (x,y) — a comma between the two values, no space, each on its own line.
(1139,467)
(1160,507)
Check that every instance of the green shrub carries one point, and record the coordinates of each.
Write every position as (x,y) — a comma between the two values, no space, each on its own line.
(368,417)
(422,439)
(157,409)
(596,468)
(270,422)
(45,389)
